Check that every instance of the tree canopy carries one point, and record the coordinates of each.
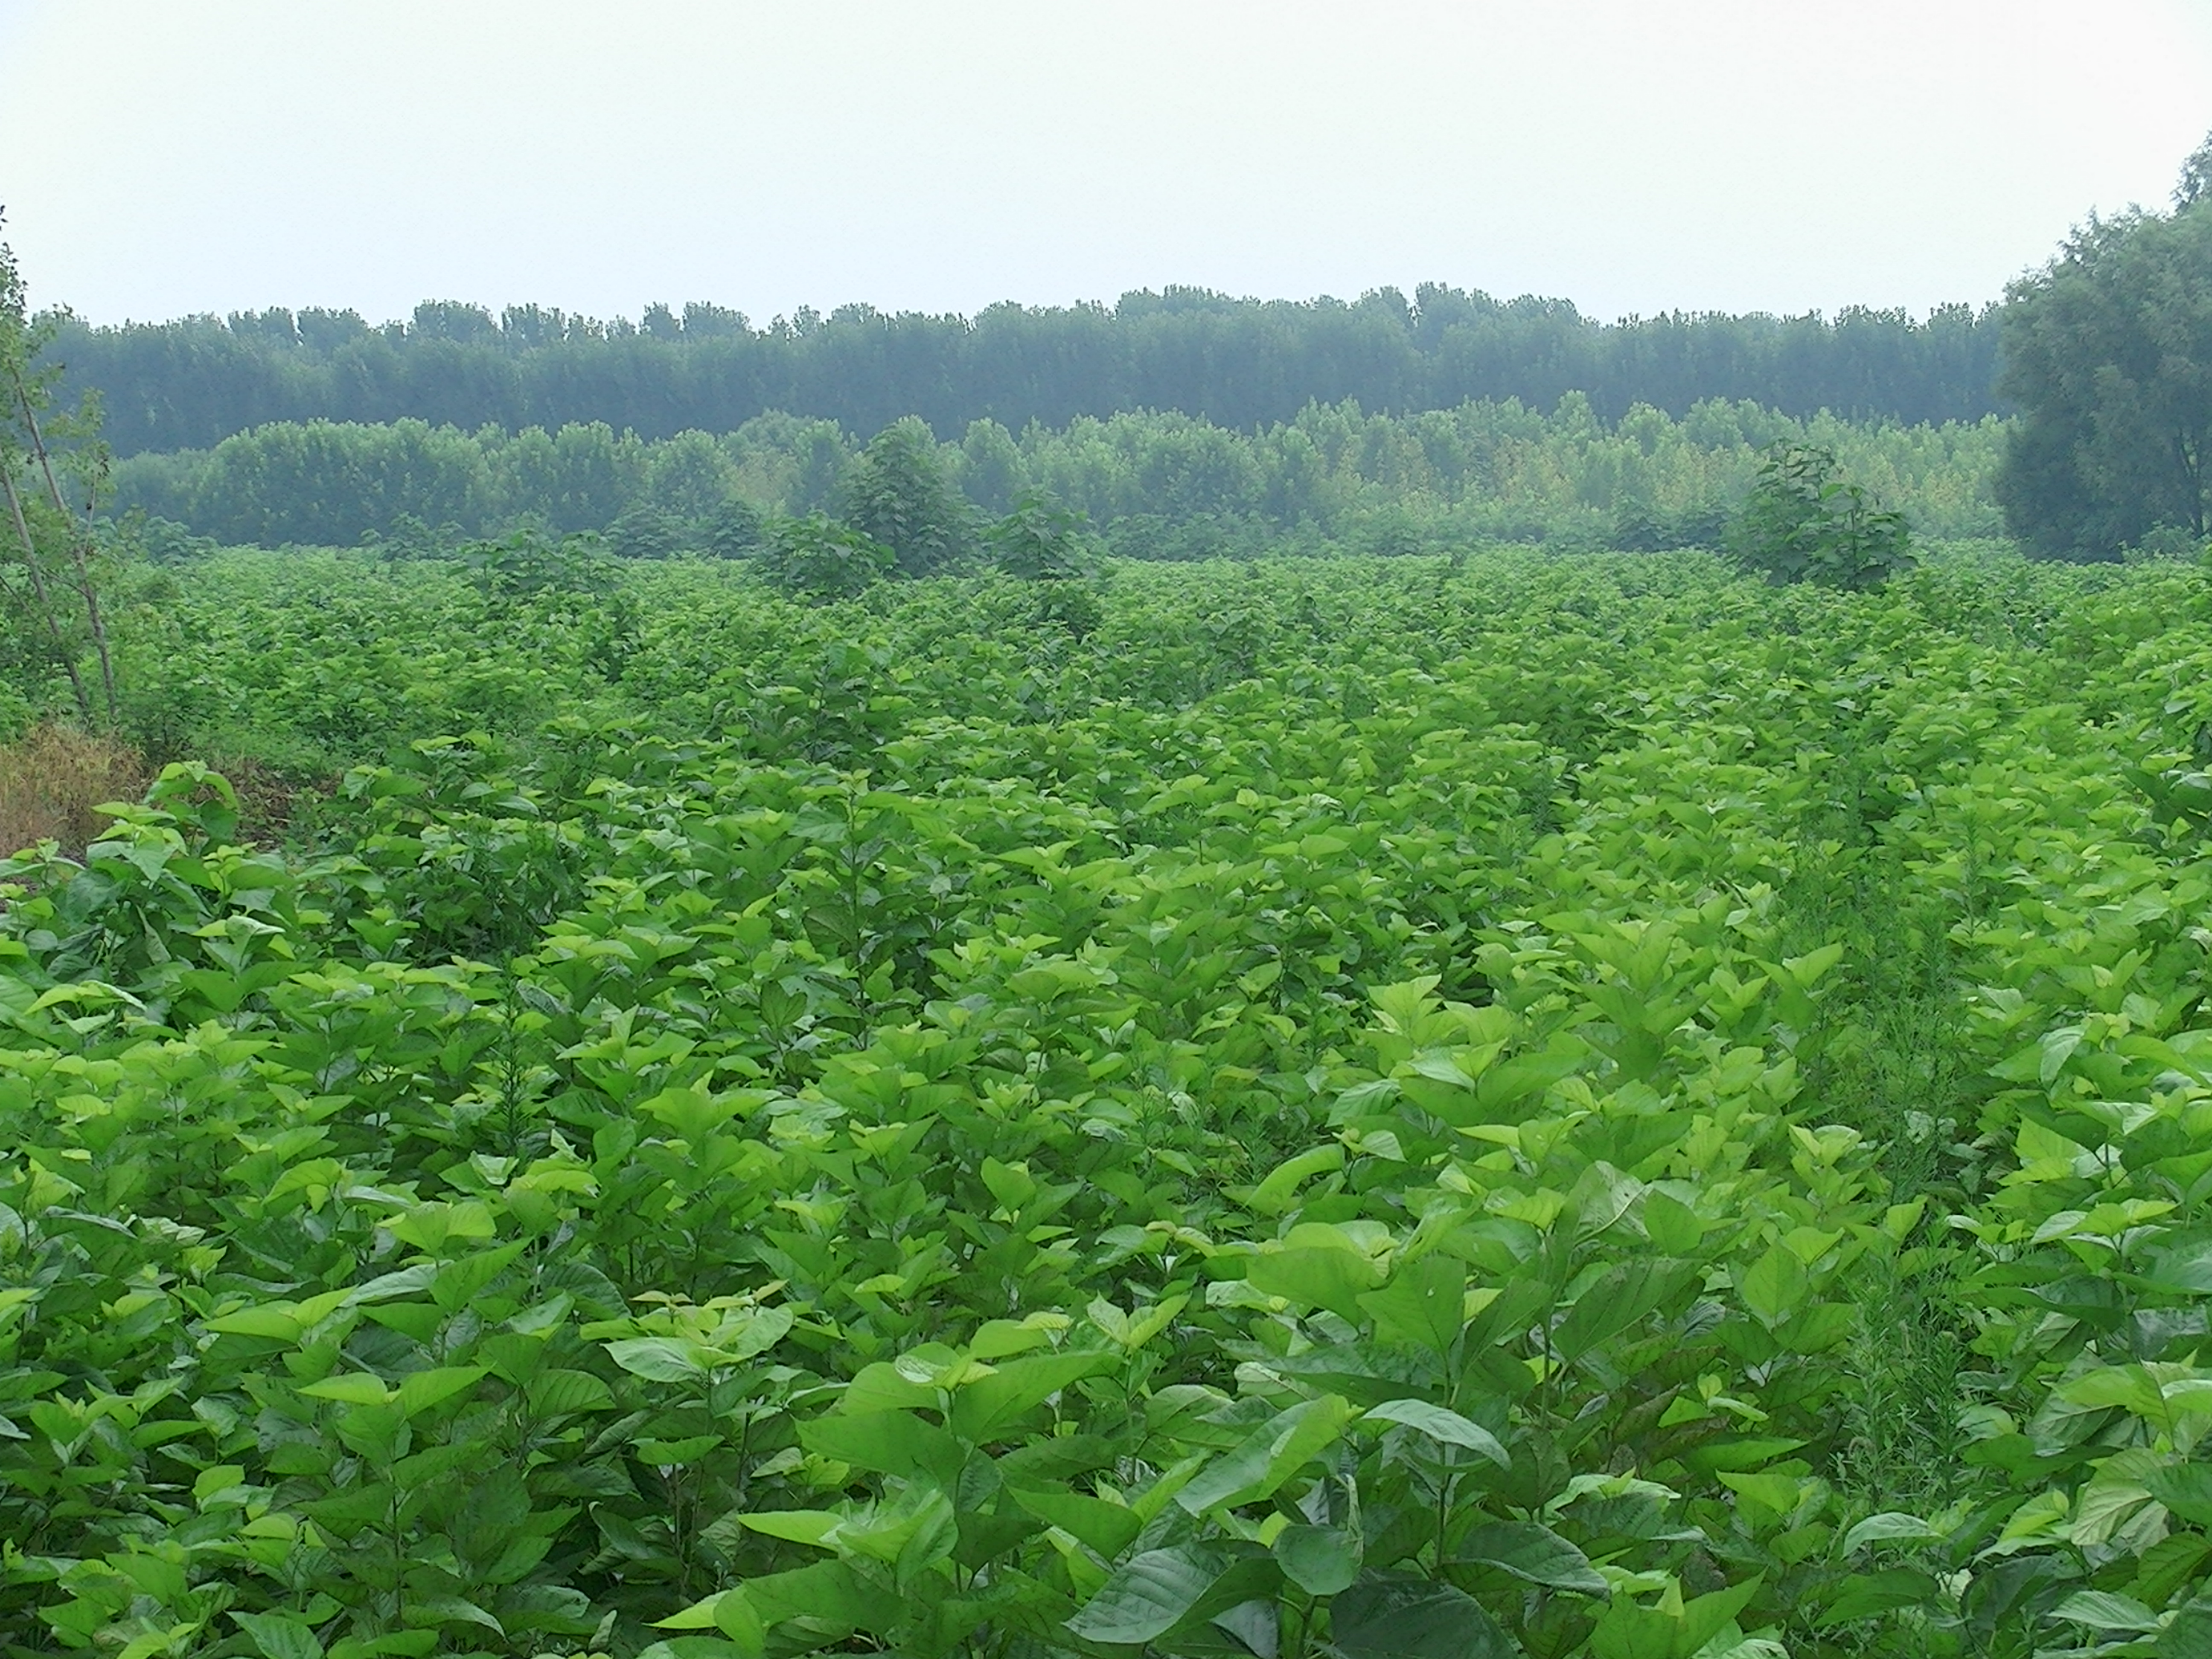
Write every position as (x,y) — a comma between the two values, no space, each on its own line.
(2108,352)
(1240,363)
(895,492)
(1158,485)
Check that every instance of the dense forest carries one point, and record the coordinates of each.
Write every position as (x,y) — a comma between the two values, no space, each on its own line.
(1159,485)
(1239,363)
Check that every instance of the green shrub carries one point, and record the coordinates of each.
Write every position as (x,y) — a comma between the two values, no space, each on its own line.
(1041,540)
(646,532)
(737,530)
(818,559)
(895,492)
(1803,522)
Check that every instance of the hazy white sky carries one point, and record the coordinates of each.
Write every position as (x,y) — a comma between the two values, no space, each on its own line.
(159,157)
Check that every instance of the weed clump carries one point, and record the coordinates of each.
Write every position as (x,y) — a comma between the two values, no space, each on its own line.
(54,779)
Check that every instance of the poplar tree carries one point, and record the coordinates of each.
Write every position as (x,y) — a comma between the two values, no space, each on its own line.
(53,476)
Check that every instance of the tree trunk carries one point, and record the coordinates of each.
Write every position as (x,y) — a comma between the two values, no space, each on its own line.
(41,594)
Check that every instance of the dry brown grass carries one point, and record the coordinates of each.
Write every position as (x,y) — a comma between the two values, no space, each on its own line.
(51,777)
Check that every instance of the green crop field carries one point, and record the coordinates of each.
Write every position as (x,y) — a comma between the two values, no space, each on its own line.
(1520,1105)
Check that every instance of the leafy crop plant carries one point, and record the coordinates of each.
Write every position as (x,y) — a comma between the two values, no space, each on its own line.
(1520,1106)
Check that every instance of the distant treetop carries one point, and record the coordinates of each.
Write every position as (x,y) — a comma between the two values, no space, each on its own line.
(1240,363)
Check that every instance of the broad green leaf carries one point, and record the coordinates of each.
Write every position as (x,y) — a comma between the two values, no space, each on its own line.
(1316,1277)
(735,1618)
(880,1386)
(990,1403)
(757,1330)
(1627,1630)
(282,1323)
(2103,1610)
(1319,1560)
(1889,1525)
(657,1358)
(456,1283)
(1773,1285)
(794,1526)
(435,1610)
(1749,1452)
(669,1454)
(1778,1492)
(1134,1330)
(1616,1299)
(1110,1529)
(1002,1339)
(561,1393)
(2189,1635)
(730,1612)
(1148,1596)
(911,1535)
(1422,1306)
(894,1442)
(1010,1184)
(1703,1616)
(1673,1226)
(2182,1265)
(830,1591)
(280,1635)
(431,1227)
(1866,1595)
(420,1390)
(1442,1424)
(2130,1387)
(692,1114)
(1406,1619)
(350,1388)
(1533,1552)
(2185,1488)
(1270,1456)
(1274,1196)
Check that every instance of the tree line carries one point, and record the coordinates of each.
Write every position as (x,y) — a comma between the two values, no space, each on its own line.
(1157,484)
(1238,363)
(685,421)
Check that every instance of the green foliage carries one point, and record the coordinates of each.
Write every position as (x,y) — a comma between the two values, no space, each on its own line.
(1159,486)
(818,559)
(527,563)
(1039,540)
(2109,355)
(2195,181)
(737,530)
(190,384)
(408,537)
(1640,528)
(1053,549)
(1533,1106)
(164,541)
(895,492)
(1074,608)
(1803,522)
(54,488)
(647,532)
